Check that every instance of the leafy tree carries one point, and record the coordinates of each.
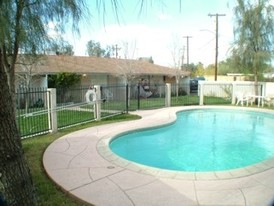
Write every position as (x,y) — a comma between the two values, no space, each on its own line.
(63,80)
(253,32)
(228,66)
(95,49)
(147,59)
(200,70)
(62,47)
(210,69)
(192,68)
(23,30)
(109,51)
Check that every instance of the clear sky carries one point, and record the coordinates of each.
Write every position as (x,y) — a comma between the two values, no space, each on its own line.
(153,33)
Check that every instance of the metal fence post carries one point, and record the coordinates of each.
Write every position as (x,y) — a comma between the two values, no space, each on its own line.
(127,98)
(97,108)
(201,93)
(138,97)
(168,95)
(52,113)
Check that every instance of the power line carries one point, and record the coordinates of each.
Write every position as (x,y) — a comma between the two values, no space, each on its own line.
(217,31)
(207,43)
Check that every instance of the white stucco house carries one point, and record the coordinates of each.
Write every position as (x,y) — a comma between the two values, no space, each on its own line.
(101,71)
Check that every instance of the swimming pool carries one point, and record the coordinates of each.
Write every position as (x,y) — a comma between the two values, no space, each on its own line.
(202,140)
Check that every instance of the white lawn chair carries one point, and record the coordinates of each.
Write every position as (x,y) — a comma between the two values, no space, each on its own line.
(107,94)
(242,98)
(269,99)
(250,99)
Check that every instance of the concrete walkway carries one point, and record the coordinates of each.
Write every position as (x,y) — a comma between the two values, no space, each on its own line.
(82,164)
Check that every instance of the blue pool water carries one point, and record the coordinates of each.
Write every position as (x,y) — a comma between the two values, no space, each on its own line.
(202,140)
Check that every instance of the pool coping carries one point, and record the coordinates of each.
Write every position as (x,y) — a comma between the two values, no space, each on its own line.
(105,151)
(80,164)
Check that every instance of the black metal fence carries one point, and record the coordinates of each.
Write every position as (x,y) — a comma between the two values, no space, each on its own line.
(140,98)
(71,107)
(33,109)
(180,96)
(32,113)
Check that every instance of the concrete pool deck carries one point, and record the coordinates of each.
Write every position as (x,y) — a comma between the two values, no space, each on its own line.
(82,164)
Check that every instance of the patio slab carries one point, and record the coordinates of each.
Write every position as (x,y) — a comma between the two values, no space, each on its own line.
(82,164)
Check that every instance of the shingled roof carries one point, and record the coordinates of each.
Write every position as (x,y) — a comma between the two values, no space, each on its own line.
(84,65)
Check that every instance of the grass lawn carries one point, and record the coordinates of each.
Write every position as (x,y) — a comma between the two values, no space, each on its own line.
(48,193)
(32,124)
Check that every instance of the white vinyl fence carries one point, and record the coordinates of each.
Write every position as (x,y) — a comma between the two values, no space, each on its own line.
(229,89)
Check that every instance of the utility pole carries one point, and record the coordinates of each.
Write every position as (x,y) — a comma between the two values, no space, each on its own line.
(216,51)
(115,47)
(183,57)
(187,49)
